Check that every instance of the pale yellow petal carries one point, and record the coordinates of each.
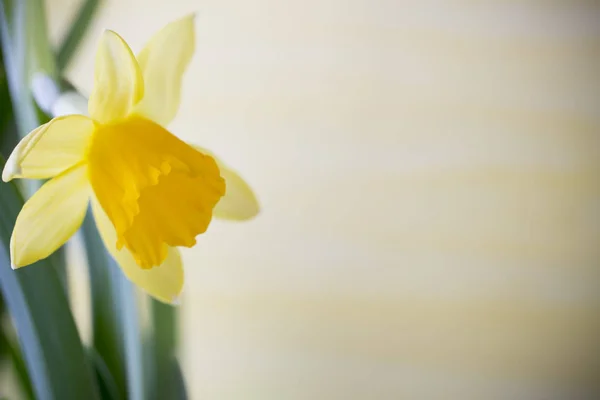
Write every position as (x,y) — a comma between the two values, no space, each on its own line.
(164,282)
(118,82)
(163,62)
(50,217)
(50,149)
(239,202)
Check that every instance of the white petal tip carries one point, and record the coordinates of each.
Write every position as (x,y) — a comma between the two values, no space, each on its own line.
(10,171)
(16,266)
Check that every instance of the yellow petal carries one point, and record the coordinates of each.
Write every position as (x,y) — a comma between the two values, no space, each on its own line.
(239,202)
(157,190)
(50,149)
(163,62)
(163,282)
(50,217)
(118,82)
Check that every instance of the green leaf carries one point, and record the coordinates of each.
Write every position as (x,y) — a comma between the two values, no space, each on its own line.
(164,319)
(36,300)
(76,33)
(38,53)
(17,363)
(13,34)
(107,337)
(5,103)
(178,389)
(106,382)
(25,50)
(115,319)
(133,340)
(167,382)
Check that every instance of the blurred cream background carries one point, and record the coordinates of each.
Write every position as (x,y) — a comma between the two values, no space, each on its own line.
(430,181)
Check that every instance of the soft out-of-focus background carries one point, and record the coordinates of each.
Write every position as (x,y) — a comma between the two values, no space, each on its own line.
(429,174)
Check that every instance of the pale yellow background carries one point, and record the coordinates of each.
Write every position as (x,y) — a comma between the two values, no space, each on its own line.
(429,174)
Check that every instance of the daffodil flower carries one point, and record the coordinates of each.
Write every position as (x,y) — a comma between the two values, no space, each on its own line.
(150,192)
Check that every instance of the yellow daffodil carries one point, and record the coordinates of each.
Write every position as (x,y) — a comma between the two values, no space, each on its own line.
(150,192)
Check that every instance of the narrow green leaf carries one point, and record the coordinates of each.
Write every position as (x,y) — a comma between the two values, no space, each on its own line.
(8,137)
(36,300)
(18,364)
(133,340)
(164,320)
(38,52)
(76,33)
(106,330)
(115,320)
(5,103)
(106,382)
(3,349)
(25,51)
(13,34)
(179,391)
(8,130)
(149,367)
(167,382)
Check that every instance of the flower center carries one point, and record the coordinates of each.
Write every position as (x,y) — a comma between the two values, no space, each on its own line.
(157,190)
